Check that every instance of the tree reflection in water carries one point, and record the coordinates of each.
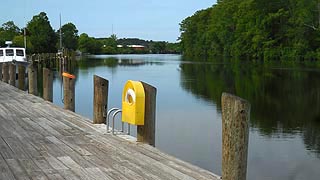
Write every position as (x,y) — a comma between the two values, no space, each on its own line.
(284,101)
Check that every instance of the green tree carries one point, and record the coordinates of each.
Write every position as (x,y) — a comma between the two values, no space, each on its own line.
(246,29)
(158,47)
(89,44)
(84,43)
(18,41)
(69,36)
(109,45)
(173,48)
(114,38)
(8,31)
(41,35)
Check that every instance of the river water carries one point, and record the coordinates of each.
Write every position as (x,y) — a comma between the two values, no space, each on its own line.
(284,139)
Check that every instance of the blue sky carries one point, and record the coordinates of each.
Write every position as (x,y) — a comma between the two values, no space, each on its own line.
(146,19)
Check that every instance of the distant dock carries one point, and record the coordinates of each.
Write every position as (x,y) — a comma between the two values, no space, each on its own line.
(42,141)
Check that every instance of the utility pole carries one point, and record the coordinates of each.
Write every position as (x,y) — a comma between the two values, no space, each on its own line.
(25,28)
(25,38)
(60,33)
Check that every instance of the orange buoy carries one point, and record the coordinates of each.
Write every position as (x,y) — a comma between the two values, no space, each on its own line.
(71,76)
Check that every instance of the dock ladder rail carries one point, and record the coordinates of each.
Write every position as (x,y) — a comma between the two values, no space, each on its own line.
(115,111)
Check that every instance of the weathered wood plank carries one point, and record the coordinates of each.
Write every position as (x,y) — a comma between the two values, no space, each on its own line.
(76,168)
(18,172)
(5,150)
(68,175)
(5,172)
(55,176)
(119,167)
(115,174)
(68,145)
(55,163)
(118,155)
(42,122)
(16,146)
(52,150)
(35,127)
(45,166)
(96,173)
(32,169)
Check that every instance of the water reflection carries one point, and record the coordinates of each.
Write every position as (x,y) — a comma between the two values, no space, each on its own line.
(116,60)
(285,101)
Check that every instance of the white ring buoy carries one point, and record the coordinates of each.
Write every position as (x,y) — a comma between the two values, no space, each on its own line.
(130,95)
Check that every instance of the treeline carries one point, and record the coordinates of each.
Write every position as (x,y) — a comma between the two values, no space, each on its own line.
(113,45)
(42,38)
(261,29)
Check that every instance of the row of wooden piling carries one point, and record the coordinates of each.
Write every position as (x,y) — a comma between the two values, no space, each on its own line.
(68,86)
(235,113)
(8,71)
(43,57)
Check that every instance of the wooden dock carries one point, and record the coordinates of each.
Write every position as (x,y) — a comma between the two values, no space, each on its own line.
(42,141)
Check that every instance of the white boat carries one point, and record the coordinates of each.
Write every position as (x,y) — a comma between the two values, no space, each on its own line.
(12,54)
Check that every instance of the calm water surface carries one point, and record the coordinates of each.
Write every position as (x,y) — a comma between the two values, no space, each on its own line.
(284,140)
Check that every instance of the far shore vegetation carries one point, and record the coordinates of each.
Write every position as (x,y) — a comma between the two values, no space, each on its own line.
(286,30)
(42,38)
(254,30)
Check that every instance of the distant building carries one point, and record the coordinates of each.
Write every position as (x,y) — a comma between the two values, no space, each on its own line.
(135,47)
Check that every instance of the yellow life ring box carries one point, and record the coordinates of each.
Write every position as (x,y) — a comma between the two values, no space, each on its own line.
(133,103)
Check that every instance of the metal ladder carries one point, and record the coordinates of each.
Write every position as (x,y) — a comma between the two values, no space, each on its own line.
(115,111)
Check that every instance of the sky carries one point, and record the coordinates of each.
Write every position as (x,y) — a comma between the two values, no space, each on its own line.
(146,19)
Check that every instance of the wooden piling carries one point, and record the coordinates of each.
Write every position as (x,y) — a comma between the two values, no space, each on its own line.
(5,72)
(32,78)
(47,84)
(21,77)
(100,100)
(12,74)
(65,64)
(146,133)
(235,136)
(69,93)
(1,71)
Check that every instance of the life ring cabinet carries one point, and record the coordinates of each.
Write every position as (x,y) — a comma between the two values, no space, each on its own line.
(133,103)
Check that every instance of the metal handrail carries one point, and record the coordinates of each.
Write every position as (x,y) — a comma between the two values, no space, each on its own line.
(113,117)
(108,114)
(117,110)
